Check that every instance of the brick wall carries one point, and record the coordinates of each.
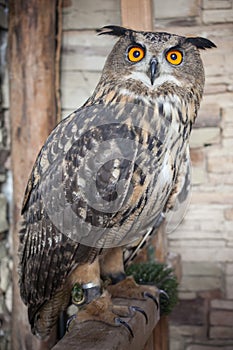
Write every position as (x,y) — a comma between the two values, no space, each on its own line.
(203,319)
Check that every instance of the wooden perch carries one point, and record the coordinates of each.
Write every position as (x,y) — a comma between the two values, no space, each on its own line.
(95,335)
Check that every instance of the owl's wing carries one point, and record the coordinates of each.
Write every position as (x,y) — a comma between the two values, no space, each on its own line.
(71,199)
(173,211)
(179,200)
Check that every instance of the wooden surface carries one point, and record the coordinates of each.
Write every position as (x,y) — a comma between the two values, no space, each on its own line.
(161,331)
(159,241)
(161,335)
(137,14)
(33,112)
(94,335)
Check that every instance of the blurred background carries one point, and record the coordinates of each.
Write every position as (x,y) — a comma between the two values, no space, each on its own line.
(203,320)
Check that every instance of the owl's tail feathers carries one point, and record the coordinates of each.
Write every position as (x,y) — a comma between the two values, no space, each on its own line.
(45,318)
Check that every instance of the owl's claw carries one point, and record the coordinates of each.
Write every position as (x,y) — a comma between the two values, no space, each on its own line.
(151,296)
(119,321)
(69,321)
(162,292)
(138,309)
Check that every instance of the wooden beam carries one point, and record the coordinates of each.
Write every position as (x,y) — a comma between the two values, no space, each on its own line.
(137,14)
(95,335)
(33,112)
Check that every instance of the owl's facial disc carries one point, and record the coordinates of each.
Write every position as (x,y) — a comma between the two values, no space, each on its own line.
(153,69)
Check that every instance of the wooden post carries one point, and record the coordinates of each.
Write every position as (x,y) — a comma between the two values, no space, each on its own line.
(33,69)
(138,15)
(161,331)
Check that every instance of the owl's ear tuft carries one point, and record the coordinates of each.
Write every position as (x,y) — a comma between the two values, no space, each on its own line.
(113,30)
(201,43)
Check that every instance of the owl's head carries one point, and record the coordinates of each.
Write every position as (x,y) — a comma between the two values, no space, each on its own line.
(152,59)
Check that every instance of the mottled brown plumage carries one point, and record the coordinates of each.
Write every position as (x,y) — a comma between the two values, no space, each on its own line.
(109,170)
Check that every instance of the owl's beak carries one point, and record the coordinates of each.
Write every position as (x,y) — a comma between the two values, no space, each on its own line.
(153,69)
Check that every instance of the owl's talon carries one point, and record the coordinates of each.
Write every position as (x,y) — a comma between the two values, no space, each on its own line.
(119,321)
(69,321)
(149,295)
(162,292)
(138,309)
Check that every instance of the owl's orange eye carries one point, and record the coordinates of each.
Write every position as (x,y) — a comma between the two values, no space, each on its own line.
(136,54)
(174,57)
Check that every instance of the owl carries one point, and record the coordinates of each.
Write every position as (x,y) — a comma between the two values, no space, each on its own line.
(108,173)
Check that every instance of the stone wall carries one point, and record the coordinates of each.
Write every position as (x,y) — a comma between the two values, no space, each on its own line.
(5,190)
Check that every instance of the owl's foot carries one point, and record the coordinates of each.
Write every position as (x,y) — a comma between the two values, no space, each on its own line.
(104,310)
(128,288)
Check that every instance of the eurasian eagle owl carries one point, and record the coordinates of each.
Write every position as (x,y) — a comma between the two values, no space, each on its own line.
(108,171)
